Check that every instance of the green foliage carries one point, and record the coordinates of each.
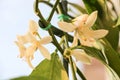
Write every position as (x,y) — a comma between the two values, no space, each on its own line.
(118,23)
(78,7)
(94,53)
(104,21)
(113,37)
(111,54)
(21,78)
(113,58)
(47,70)
(53,69)
(50,70)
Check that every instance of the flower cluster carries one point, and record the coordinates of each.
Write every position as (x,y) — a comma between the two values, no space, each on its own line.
(81,26)
(29,43)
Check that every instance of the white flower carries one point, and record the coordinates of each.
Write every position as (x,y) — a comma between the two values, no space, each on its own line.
(28,37)
(83,31)
(33,27)
(78,54)
(33,44)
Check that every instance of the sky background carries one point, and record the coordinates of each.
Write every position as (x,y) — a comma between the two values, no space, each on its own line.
(14,19)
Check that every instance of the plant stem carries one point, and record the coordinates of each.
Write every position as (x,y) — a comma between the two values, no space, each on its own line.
(50,30)
(55,42)
(38,13)
(53,10)
(81,74)
(73,70)
(46,23)
(65,61)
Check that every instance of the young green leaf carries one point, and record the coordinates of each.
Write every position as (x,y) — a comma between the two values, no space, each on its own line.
(21,78)
(50,70)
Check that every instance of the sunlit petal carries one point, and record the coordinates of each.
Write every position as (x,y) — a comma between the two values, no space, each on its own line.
(80,55)
(44,52)
(28,37)
(22,39)
(67,27)
(75,41)
(29,62)
(45,40)
(98,33)
(87,41)
(30,51)
(91,19)
(33,27)
(80,20)
(22,49)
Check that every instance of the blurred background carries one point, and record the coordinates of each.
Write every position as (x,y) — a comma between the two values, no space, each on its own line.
(14,19)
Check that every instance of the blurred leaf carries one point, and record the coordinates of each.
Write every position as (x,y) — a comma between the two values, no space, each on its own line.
(92,5)
(26,78)
(78,7)
(113,37)
(118,22)
(113,57)
(50,70)
(21,78)
(94,53)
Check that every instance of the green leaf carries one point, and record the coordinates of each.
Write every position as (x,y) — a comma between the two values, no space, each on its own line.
(25,78)
(113,57)
(113,37)
(50,70)
(94,53)
(21,78)
(118,22)
(78,7)
(92,5)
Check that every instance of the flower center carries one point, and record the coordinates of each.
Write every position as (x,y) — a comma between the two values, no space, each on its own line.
(67,53)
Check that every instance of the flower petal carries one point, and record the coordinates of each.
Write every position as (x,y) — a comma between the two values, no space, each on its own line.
(44,52)
(30,51)
(67,27)
(80,55)
(91,19)
(29,62)
(75,41)
(22,39)
(22,49)
(98,33)
(28,37)
(33,27)
(80,20)
(45,40)
(87,41)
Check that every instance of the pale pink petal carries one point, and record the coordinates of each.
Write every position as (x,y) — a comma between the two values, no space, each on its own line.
(67,27)
(33,26)
(91,19)
(97,33)
(80,55)
(46,40)
(22,49)
(44,52)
